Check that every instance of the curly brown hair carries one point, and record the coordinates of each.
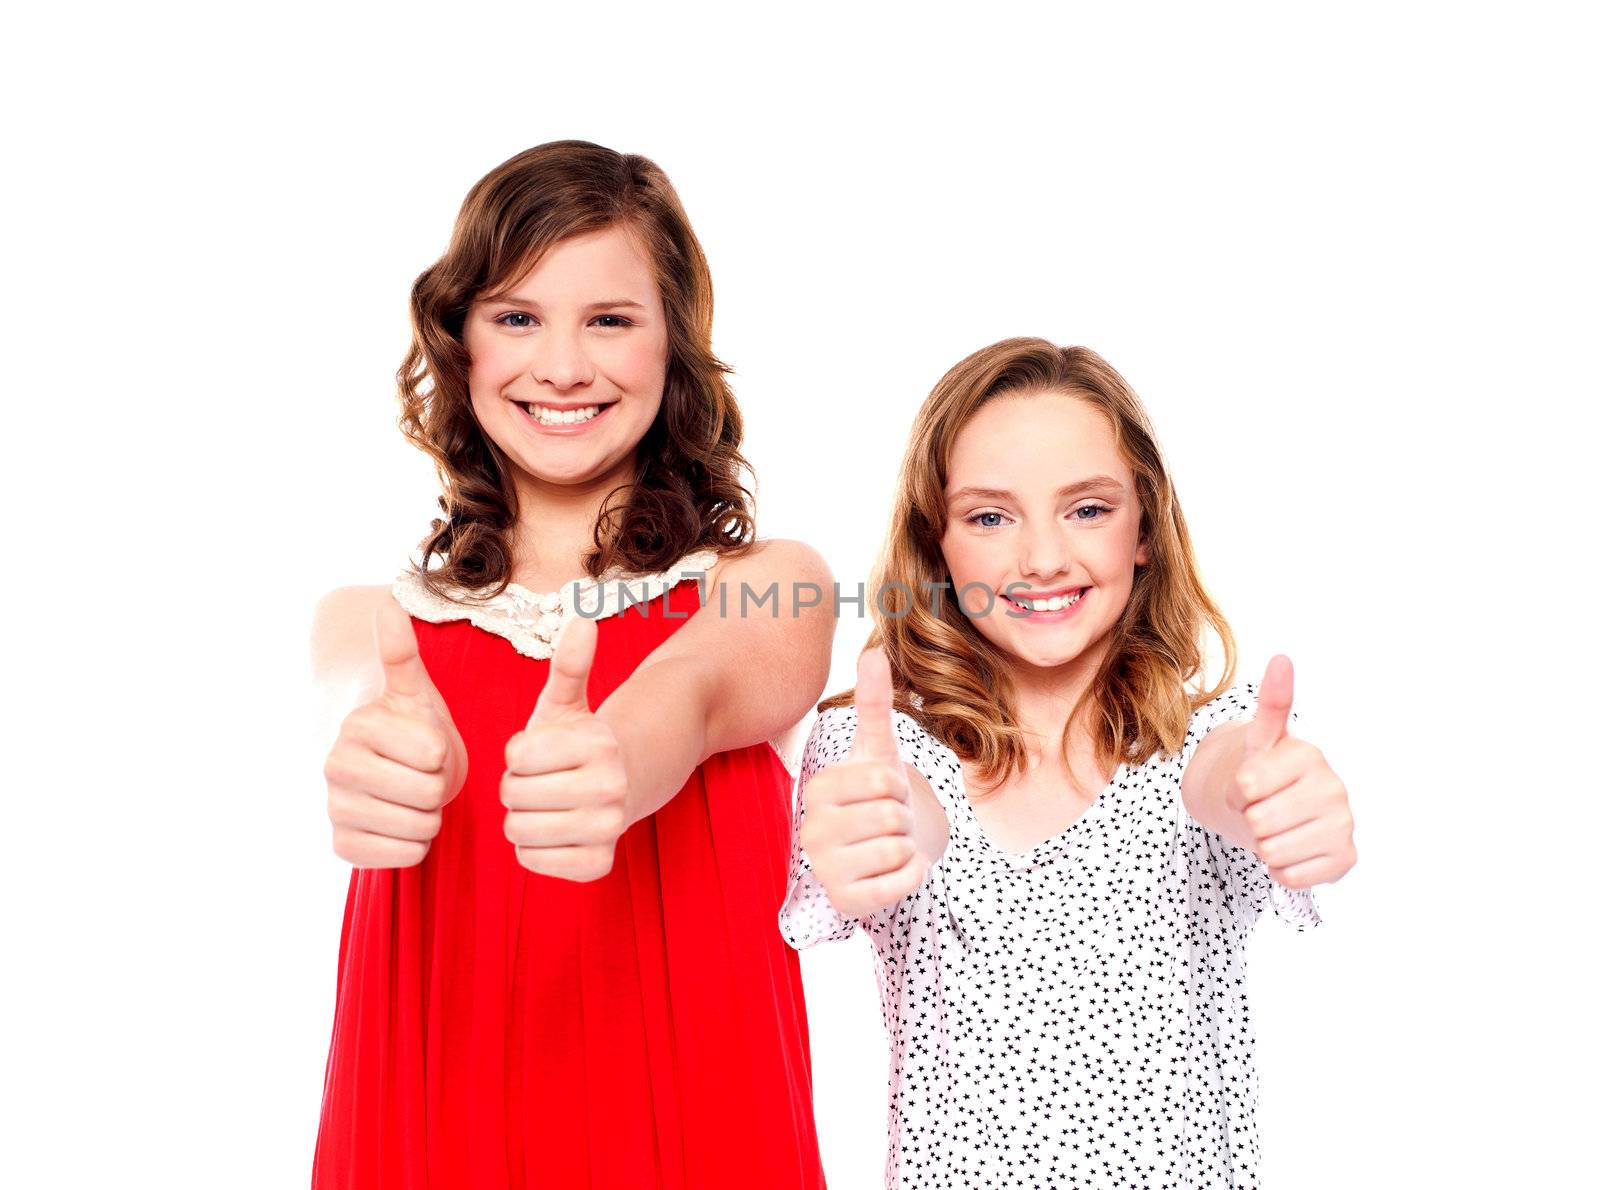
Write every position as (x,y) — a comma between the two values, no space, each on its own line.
(688,492)
(1139,698)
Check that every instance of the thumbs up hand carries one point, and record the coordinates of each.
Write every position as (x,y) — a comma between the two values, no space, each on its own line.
(565,787)
(857,828)
(397,760)
(1295,807)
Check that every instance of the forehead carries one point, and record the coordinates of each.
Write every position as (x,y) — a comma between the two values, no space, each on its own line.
(1048,437)
(610,263)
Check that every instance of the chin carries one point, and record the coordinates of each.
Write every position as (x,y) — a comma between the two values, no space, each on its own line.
(1051,661)
(1034,656)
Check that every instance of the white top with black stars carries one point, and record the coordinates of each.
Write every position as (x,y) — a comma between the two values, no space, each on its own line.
(1074,1015)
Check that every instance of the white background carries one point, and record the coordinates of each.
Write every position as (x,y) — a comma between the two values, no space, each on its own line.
(1346,255)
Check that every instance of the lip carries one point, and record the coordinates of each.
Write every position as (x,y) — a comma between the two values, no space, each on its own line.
(1032,594)
(1018,612)
(562,431)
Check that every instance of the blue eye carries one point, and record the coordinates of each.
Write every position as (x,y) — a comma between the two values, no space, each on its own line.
(616,320)
(514,314)
(978,516)
(1101,508)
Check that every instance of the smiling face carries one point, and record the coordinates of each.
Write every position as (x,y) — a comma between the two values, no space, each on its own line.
(1040,502)
(568,367)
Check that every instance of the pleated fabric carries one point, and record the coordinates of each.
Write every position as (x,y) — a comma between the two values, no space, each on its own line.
(496,1028)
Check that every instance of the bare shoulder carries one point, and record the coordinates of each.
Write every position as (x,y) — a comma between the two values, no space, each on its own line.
(342,643)
(775,559)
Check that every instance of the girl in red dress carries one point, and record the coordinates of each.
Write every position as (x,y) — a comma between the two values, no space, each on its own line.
(560,964)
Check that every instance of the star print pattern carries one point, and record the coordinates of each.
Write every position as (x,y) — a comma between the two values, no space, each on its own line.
(1074,1015)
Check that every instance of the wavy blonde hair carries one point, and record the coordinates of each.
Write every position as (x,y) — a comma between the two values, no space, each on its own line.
(1140,699)
(688,492)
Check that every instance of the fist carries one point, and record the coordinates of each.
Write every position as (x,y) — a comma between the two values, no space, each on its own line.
(857,827)
(565,789)
(397,761)
(1295,808)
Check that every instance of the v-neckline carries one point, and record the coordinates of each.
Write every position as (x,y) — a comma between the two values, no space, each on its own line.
(1049,842)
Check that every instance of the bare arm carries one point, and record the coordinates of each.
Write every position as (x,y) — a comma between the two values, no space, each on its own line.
(728,678)
(345,668)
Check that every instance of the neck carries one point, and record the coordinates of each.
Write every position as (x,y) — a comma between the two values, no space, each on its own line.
(555,526)
(1044,698)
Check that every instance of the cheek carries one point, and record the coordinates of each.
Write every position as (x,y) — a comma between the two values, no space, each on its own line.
(1107,553)
(489,367)
(1124,550)
(639,365)
(964,559)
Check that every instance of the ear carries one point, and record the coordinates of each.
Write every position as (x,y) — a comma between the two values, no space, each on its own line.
(1141,556)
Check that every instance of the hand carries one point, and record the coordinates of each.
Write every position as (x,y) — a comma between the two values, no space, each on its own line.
(565,788)
(1295,807)
(857,829)
(397,761)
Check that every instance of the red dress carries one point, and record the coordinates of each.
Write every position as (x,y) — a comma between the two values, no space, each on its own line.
(496,1028)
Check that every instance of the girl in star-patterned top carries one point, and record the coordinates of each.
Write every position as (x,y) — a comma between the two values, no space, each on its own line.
(1056,835)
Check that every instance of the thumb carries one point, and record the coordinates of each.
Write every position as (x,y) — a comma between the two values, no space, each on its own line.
(874,709)
(1273,701)
(403,671)
(565,694)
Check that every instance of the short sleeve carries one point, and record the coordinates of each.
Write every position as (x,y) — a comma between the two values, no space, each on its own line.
(807,916)
(1244,877)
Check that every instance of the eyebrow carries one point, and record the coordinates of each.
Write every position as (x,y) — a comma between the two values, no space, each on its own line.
(614,304)
(1071,489)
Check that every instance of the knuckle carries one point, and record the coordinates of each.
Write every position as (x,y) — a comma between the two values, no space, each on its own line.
(614,791)
(336,769)
(591,864)
(340,810)
(600,739)
(435,750)
(530,858)
(888,817)
(829,788)
(361,718)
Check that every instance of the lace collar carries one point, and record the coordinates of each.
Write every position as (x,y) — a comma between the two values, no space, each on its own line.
(532,620)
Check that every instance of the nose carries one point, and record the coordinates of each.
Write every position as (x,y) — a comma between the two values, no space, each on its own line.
(1046,555)
(559,360)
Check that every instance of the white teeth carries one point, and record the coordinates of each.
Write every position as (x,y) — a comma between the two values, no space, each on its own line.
(561,417)
(1053,604)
